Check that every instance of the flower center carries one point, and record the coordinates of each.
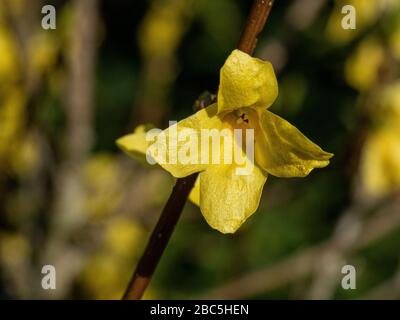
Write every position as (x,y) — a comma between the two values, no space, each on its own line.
(242,116)
(240,120)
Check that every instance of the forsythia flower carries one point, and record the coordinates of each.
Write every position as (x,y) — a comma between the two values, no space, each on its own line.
(247,88)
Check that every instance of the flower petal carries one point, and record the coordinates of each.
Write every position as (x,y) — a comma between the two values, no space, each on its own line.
(167,148)
(228,199)
(246,82)
(135,144)
(285,151)
(194,195)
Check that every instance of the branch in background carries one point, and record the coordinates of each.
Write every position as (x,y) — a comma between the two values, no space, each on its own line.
(302,263)
(23,29)
(326,269)
(82,60)
(388,290)
(326,279)
(173,209)
(69,213)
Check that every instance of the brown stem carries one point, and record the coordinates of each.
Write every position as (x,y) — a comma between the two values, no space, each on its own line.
(159,238)
(254,25)
(173,209)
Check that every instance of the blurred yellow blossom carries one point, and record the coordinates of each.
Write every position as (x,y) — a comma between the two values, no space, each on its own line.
(163,27)
(380,166)
(102,277)
(366,13)
(43,49)
(380,162)
(11,118)
(15,250)
(363,65)
(26,154)
(109,269)
(390,102)
(8,57)
(123,237)
(102,181)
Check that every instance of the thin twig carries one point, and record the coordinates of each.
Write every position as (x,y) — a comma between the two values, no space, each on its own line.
(159,238)
(254,25)
(173,209)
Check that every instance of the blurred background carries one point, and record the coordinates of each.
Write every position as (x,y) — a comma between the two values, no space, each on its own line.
(70,198)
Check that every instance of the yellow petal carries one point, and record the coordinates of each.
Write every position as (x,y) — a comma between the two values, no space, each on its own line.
(168,155)
(228,199)
(246,82)
(194,195)
(135,144)
(285,151)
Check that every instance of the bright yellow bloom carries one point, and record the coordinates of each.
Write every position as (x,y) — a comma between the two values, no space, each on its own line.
(247,88)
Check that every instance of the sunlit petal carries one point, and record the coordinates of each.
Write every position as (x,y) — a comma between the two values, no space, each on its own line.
(285,151)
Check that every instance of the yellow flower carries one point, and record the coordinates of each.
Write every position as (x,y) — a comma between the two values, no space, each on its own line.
(247,88)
